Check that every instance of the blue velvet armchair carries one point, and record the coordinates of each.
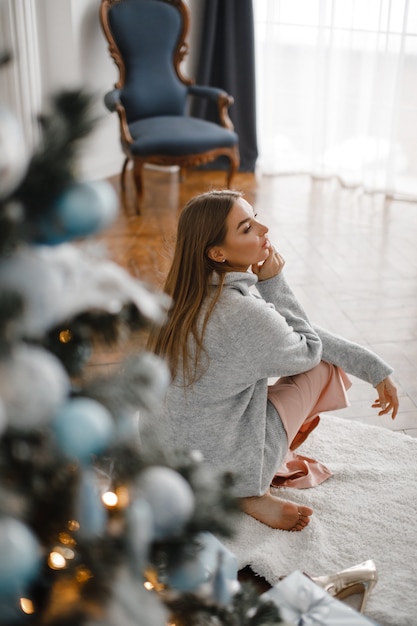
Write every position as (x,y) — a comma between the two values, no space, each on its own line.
(148,41)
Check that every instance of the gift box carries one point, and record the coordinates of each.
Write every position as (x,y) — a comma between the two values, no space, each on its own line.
(303,603)
(211,558)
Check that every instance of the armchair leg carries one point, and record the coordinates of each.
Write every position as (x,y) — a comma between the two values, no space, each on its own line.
(123,174)
(234,164)
(137,177)
(123,191)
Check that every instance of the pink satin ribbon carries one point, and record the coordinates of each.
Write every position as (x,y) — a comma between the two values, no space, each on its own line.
(300,472)
(298,400)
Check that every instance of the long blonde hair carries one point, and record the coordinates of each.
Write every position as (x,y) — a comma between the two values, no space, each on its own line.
(202,225)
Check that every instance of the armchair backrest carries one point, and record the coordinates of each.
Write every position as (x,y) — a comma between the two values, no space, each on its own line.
(147,41)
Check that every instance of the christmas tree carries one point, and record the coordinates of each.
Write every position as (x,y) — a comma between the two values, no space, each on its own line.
(96,526)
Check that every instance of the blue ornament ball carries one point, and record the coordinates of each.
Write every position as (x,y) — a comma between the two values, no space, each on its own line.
(170,497)
(20,556)
(81,210)
(83,427)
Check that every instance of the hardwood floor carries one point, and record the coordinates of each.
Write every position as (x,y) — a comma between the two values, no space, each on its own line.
(350,258)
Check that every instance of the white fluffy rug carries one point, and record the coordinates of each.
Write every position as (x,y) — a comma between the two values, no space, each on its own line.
(366,510)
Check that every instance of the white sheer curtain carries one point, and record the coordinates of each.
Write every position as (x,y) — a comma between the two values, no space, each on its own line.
(20,80)
(337,91)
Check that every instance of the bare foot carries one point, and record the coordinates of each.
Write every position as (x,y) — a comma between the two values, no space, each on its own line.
(277,513)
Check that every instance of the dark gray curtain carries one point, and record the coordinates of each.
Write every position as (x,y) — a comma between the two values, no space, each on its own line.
(227,60)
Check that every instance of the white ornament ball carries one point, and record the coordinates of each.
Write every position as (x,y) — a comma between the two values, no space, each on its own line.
(170,497)
(33,385)
(39,283)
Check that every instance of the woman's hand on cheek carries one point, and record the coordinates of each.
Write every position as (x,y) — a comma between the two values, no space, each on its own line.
(272,266)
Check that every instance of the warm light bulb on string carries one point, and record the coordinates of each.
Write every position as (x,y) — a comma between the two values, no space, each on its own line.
(56,560)
(27,606)
(123,496)
(73,525)
(66,539)
(83,574)
(119,498)
(110,499)
(60,554)
(152,582)
(65,335)
(67,553)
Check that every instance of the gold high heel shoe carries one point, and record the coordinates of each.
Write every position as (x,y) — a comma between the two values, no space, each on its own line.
(357,580)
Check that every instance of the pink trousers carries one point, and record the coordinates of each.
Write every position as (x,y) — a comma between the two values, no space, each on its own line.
(299,400)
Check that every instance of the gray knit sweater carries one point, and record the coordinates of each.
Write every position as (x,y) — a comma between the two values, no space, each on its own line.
(249,338)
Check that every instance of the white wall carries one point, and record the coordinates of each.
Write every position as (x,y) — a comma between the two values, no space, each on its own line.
(71,51)
(74,54)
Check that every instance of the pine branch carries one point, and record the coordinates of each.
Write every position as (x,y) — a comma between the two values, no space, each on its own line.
(52,167)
